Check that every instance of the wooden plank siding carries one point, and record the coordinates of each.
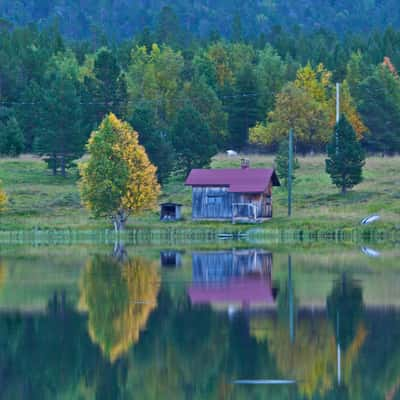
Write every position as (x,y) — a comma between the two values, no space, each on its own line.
(219,265)
(215,203)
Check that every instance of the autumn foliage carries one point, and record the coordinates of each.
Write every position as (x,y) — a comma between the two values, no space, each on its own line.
(3,199)
(118,179)
(308,106)
(119,299)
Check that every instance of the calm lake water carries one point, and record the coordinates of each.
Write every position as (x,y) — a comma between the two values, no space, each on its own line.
(227,322)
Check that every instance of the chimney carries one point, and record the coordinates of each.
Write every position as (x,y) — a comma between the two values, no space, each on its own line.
(245,163)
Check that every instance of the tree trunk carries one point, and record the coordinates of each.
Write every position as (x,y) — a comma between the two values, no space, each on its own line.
(54,164)
(63,172)
(119,220)
(119,251)
(344,188)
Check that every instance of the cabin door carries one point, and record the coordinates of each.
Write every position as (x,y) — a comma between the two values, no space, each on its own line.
(268,206)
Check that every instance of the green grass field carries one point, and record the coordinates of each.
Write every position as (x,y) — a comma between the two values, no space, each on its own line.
(39,200)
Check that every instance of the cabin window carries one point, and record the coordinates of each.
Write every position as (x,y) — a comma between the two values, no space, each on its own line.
(214,199)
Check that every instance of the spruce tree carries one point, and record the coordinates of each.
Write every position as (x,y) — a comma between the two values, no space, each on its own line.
(345,156)
(380,109)
(153,139)
(243,109)
(192,139)
(105,91)
(11,138)
(282,162)
(59,135)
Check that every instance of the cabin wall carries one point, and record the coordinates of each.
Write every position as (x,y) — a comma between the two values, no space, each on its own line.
(216,202)
(220,265)
(211,203)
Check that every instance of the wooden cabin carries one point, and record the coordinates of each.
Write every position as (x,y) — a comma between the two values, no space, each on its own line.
(237,194)
(236,277)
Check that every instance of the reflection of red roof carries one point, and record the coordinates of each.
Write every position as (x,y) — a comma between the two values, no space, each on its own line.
(238,180)
(244,290)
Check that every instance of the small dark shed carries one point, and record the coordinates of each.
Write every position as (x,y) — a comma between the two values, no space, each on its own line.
(170,211)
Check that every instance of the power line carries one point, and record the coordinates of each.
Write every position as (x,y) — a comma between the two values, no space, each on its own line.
(111,103)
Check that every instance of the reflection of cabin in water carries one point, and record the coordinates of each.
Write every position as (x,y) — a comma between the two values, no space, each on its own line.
(237,194)
(233,277)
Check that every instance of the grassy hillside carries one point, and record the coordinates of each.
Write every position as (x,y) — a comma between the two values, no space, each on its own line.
(39,200)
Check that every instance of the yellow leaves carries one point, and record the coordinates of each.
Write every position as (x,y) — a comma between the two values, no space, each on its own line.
(348,108)
(294,108)
(317,83)
(3,199)
(118,174)
(262,134)
(314,82)
(220,58)
(119,299)
(311,358)
(3,274)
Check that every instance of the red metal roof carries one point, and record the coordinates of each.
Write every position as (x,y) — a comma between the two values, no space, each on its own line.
(243,290)
(238,180)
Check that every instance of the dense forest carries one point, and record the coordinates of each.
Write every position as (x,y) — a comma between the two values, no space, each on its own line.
(189,95)
(122,18)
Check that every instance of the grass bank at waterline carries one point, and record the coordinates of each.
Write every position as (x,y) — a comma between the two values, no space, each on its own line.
(39,202)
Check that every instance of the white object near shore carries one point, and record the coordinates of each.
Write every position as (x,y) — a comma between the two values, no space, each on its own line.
(370,252)
(231,153)
(370,219)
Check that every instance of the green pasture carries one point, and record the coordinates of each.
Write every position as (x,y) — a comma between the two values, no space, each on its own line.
(37,200)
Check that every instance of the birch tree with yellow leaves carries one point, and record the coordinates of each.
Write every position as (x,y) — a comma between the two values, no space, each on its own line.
(118,179)
(3,198)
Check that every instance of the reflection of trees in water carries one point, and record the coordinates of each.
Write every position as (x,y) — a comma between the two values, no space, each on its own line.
(345,309)
(181,355)
(311,358)
(119,299)
(188,352)
(3,273)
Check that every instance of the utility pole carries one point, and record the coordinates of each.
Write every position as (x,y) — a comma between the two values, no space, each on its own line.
(337,115)
(291,305)
(338,351)
(290,172)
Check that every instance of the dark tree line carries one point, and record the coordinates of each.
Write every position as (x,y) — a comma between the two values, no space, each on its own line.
(54,92)
(200,18)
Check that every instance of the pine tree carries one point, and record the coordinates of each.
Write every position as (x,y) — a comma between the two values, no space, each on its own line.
(345,156)
(380,109)
(282,162)
(243,110)
(11,138)
(105,90)
(192,140)
(154,140)
(168,30)
(59,135)
(28,114)
(118,179)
